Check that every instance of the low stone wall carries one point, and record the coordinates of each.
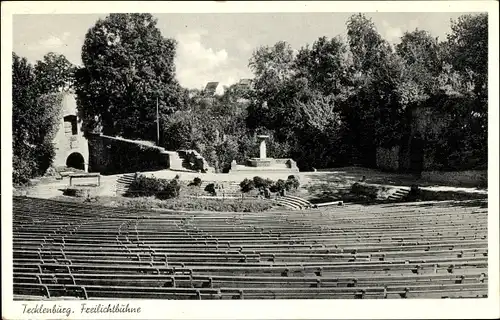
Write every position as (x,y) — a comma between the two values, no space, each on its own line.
(195,161)
(466,178)
(267,164)
(110,155)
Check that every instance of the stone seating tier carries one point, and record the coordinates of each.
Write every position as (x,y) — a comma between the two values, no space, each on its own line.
(91,252)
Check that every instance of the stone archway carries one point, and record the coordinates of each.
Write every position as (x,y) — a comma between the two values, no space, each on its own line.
(76,160)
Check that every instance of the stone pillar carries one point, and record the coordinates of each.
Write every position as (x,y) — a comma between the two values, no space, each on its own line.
(263,150)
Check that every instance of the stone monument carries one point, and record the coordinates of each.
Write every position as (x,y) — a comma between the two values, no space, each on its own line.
(262,139)
(262,160)
(265,163)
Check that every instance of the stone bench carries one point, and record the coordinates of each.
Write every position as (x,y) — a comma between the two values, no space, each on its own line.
(84,176)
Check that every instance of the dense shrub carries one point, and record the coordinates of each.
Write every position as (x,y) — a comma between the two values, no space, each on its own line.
(247,185)
(292,183)
(261,183)
(196,182)
(210,188)
(145,187)
(23,169)
(258,182)
(170,190)
(278,186)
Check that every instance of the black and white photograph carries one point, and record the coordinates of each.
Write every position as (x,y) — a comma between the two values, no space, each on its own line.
(159,152)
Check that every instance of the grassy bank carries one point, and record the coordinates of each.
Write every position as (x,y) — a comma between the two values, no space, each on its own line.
(182,203)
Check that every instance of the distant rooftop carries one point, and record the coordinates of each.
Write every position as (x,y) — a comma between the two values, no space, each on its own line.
(246,82)
(211,88)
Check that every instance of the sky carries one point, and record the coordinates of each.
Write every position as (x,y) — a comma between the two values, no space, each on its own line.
(216,47)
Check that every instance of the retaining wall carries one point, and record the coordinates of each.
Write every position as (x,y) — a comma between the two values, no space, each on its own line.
(466,178)
(111,155)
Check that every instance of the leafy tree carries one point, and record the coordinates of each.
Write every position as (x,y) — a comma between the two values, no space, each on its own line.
(365,43)
(271,66)
(464,142)
(54,73)
(273,70)
(34,122)
(324,65)
(23,99)
(372,112)
(182,131)
(468,50)
(422,66)
(128,65)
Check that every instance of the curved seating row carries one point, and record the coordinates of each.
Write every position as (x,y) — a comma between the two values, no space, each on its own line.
(69,250)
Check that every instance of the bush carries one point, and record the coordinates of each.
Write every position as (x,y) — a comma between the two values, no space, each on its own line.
(278,186)
(268,183)
(258,182)
(171,190)
(247,185)
(146,187)
(196,182)
(210,188)
(261,183)
(292,183)
(22,170)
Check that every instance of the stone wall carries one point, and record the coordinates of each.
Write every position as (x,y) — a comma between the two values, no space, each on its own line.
(388,159)
(470,178)
(67,140)
(110,155)
(195,161)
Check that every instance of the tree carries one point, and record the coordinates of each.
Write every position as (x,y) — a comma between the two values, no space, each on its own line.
(372,111)
(272,66)
(365,43)
(273,70)
(34,122)
(128,65)
(324,65)
(182,131)
(467,53)
(468,50)
(23,97)
(422,66)
(319,112)
(54,73)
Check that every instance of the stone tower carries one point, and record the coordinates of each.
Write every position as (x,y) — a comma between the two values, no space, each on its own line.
(71,147)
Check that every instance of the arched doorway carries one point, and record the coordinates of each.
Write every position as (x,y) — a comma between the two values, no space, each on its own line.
(75,160)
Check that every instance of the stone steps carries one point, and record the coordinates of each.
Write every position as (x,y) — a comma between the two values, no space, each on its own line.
(398,195)
(293,202)
(123,183)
